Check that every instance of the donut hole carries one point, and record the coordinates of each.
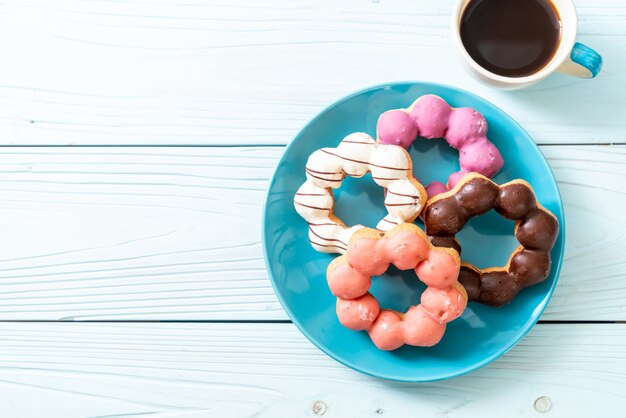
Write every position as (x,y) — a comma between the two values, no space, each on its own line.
(397,289)
(487,240)
(433,160)
(360,201)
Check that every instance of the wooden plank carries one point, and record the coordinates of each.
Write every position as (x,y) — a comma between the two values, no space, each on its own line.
(271,370)
(174,233)
(241,72)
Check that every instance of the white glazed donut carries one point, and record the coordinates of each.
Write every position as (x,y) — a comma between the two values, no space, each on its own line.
(357,154)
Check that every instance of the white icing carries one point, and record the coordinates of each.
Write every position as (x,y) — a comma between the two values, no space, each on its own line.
(365,314)
(357,154)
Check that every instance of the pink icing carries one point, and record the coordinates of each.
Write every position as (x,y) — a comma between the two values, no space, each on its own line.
(423,324)
(435,188)
(431,114)
(454,178)
(440,270)
(358,314)
(444,305)
(397,127)
(465,125)
(463,128)
(405,250)
(387,332)
(368,256)
(346,282)
(417,327)
(421,329)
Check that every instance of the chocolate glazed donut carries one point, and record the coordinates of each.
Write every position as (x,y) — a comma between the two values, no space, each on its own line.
(536,229)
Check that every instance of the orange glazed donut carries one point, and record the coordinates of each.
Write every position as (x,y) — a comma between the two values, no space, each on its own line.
(405,246)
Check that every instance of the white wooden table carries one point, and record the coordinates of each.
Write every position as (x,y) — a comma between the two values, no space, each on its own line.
(137,140)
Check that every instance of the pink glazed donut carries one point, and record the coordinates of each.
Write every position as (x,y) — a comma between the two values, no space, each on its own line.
(370,252)
(463,128)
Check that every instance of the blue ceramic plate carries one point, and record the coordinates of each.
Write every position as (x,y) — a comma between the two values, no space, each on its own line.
(297,271)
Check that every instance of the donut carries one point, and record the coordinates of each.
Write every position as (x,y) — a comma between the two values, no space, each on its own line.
(356,155)
(463,128)
(536,230)
(369,253)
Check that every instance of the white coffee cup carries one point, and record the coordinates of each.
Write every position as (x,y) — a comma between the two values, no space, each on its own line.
(571,57)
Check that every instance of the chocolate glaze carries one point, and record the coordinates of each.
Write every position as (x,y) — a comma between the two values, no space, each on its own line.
(448,242)
(515,201)
(477,196)
(497,288)
(448,217)
(530,267)
(536,230)
(469,277)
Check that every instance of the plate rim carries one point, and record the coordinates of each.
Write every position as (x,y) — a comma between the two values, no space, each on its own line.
(458,372)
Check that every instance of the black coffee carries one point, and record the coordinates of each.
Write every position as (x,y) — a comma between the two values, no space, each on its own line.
(512,38)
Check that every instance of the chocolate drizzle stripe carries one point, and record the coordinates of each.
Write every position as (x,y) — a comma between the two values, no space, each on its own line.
(402,194)
(363,162)
(322,172)
(326,239)
(324,245)
(324,224)
(388,221)
(312,207)
(310,194)
(322,178)
(387,178)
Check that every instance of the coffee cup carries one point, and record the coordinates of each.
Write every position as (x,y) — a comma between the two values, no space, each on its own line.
(513,44)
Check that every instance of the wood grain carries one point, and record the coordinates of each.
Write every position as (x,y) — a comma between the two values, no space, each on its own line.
(174,233)
(241,72)
(270,370)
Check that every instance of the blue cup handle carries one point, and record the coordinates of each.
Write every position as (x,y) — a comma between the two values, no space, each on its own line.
(583,62)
